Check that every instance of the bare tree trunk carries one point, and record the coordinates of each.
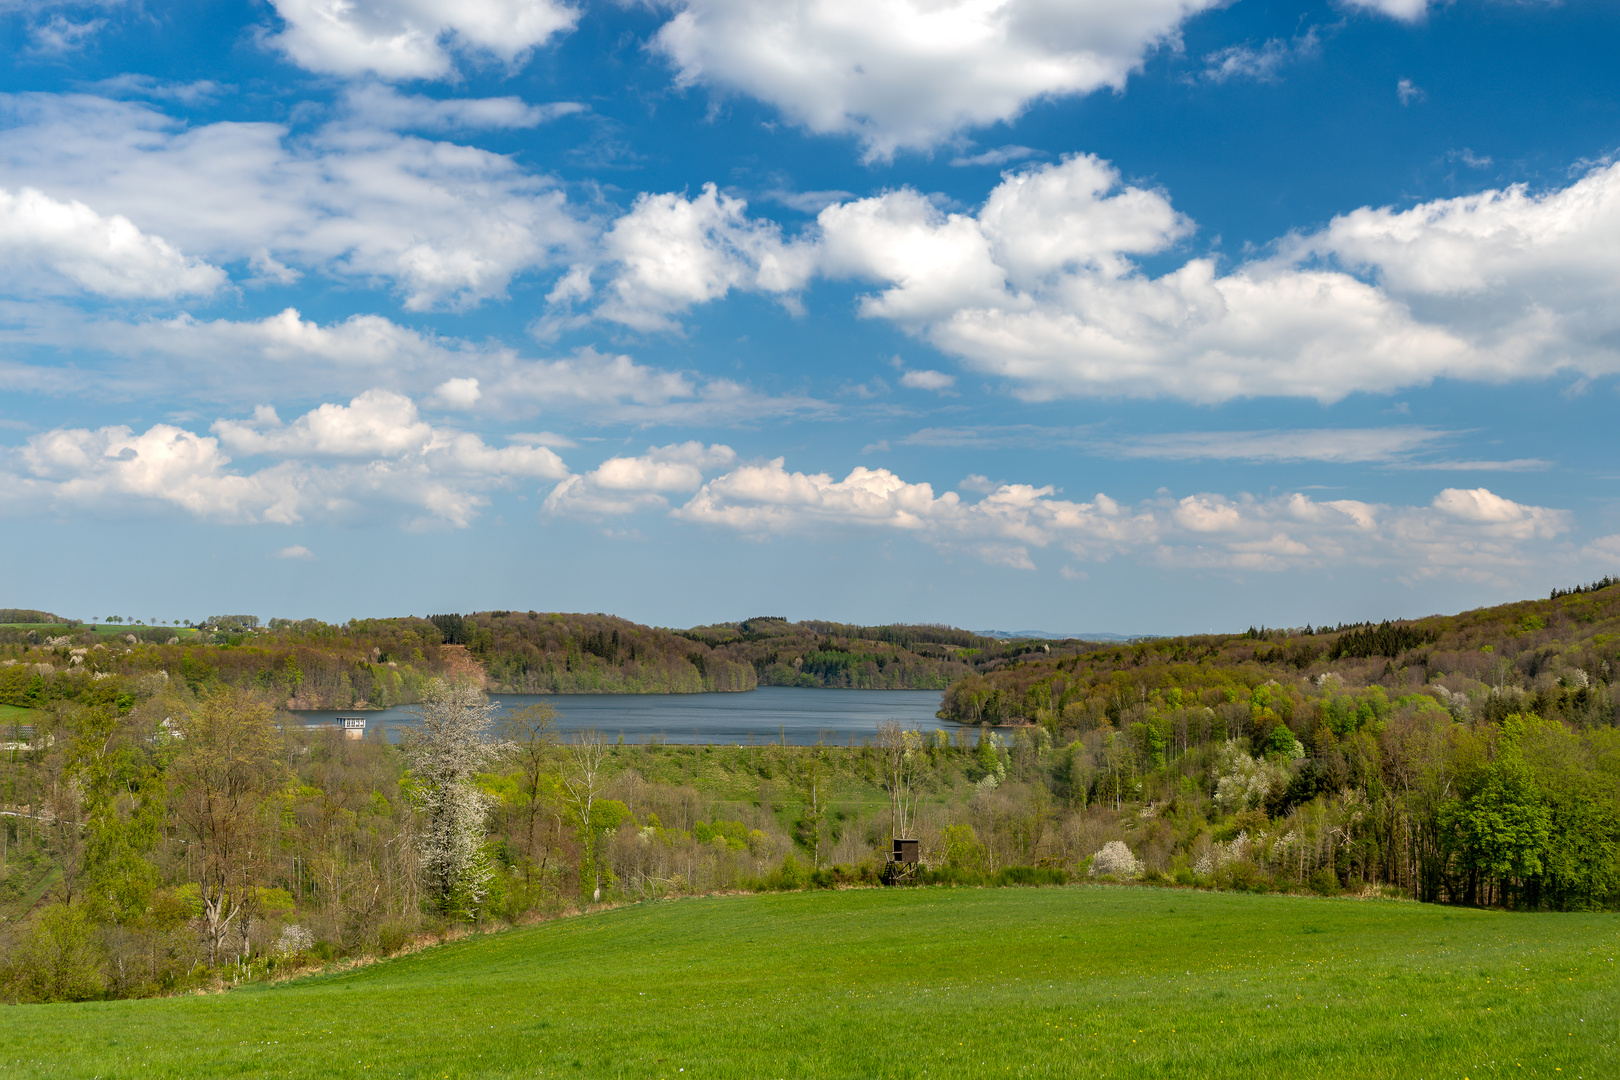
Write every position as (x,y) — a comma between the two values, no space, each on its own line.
(584,786)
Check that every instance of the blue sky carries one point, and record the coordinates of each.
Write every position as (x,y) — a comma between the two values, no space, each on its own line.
(1147,317)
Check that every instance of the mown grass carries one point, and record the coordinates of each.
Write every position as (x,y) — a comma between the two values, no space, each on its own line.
(14,714)
(924,983)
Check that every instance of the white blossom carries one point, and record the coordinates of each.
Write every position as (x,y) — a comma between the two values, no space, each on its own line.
(294,939)
(445,754)
(1219,855)
(1241,780)
(1116,859)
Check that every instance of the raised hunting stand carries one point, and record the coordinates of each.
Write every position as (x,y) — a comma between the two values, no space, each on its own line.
(904,858)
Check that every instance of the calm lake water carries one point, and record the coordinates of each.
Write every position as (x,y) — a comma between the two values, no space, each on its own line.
(767,714)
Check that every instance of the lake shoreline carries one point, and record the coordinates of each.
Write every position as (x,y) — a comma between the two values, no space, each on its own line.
(798,715)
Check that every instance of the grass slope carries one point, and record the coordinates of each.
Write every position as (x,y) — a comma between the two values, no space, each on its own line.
(1083,982)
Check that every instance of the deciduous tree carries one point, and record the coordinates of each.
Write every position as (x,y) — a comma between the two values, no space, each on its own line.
(445,754)
(229,764)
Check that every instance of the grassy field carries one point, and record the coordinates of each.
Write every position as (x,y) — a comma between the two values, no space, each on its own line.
(15,714)
(1079,981)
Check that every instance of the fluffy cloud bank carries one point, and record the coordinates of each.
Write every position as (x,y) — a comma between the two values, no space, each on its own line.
(237,363)
(447,225)
(1042,286)
(1467,533)
(375,458)
(909,73)
(351,462)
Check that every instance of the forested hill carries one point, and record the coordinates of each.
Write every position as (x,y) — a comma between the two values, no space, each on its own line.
(30,616)
(1556,657)
(532,652)
(382,662)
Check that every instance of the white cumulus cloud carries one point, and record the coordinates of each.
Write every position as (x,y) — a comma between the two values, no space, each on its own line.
(52,246)
(902,74)
(458,393)
(1475,534)
(1043,286)
(377,423)
(621,485)
(413,39)
(1404,10)
(380,424)
(670,252)
(346,463)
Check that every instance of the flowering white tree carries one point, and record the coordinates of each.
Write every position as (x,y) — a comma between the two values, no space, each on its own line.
(445,754)
(1240,780)
(1116,859)
(294,939)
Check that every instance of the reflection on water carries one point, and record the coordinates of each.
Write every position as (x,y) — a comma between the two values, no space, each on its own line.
(768,714)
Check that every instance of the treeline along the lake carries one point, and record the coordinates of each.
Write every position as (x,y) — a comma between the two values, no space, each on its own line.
(164,830)
(377,663)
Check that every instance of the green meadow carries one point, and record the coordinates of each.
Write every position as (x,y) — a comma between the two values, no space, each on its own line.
(1088,981)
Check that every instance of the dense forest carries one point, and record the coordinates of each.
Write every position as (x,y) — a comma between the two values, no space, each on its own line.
(162,830)
(377,663)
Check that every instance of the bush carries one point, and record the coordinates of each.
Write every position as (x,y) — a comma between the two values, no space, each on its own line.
(949,875)
(1242,876)
(790,875)
(59,959)
(1325,883)
(392,936)
(1031,875)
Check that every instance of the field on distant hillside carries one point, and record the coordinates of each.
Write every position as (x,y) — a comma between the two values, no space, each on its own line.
(1080,981)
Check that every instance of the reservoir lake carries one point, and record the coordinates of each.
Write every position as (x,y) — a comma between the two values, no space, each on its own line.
(769,714)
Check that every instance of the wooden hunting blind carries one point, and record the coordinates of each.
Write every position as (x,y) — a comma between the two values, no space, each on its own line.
(906,851)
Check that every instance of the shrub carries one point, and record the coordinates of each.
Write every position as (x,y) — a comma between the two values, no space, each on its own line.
(392,936)
(1031,875)
(1325,883)
(1243,876)
(790,875)
(59,960)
